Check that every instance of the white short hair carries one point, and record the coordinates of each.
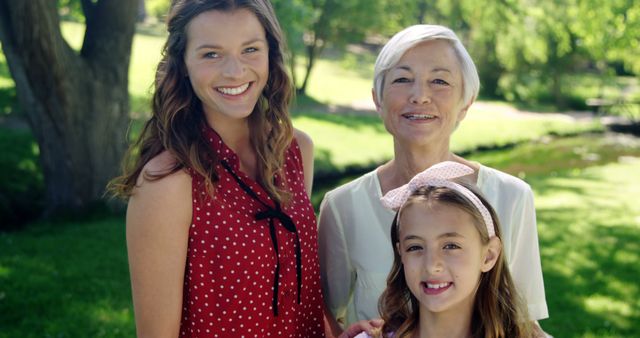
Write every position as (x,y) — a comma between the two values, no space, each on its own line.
(411,36)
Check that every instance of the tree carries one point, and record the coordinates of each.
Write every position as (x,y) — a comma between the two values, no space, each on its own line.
(142,11)
(77,104)
(315,24)
(610,31)
(412,12)
(294,17)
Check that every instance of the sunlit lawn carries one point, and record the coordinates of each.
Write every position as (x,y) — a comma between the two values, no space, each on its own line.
(329,78)
(589,224)
(589,227)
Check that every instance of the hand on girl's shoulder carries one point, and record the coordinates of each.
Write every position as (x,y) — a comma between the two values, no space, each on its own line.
(369,329)
(376,333)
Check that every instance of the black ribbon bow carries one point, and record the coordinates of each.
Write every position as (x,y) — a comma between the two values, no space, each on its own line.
(272,214)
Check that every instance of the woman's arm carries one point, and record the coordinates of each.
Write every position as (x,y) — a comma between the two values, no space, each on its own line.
(336,271)
(306,148)
(158,220)
(524,263)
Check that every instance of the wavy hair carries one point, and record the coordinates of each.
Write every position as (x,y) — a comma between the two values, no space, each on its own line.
(498,310)
(177,118)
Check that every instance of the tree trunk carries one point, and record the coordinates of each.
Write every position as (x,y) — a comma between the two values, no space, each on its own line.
(77,104)
(422,11)
(312,51)
(321,30)
(292,68)
(142,11)
(556,89)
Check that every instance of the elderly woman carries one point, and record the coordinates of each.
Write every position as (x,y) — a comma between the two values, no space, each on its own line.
(425,81)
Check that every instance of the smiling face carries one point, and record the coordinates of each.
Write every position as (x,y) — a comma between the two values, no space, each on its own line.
(442,255)
(422,95)
(227,60)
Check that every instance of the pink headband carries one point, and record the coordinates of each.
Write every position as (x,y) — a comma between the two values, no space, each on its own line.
(438,175)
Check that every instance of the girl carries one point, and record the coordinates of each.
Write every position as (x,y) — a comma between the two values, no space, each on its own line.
(449,277)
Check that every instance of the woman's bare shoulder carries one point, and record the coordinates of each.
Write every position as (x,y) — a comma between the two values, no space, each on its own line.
(304,140)
(163,163)
(164,199)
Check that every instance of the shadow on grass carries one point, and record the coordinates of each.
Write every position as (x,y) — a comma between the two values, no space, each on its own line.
(303,102)
(66,280)
(8,100)
(21,180)
(590,246)
(304,105)
(352,121)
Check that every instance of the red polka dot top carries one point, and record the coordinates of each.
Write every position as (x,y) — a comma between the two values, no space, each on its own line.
(244,254)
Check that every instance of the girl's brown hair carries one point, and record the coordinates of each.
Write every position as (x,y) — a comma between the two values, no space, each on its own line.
(498,310)
(177,118)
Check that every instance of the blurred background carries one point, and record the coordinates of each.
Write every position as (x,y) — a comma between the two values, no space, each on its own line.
(559,107)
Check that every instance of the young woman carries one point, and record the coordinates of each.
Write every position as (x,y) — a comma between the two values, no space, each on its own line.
(221,234)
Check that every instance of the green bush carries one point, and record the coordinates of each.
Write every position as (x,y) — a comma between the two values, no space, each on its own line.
(158,8)
(534,89)
(525,88)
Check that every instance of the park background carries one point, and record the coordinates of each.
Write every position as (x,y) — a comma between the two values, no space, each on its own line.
(559,108)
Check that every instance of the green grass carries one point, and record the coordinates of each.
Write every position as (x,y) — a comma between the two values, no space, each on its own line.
(589,227)
(590,248)
(66,280)
(330,77)
(21,181)
(368,142)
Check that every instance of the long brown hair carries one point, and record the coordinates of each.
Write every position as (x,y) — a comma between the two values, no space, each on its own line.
(177,118)
(498,311)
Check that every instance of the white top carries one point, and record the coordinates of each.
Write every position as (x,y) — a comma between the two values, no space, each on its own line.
(355,243)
